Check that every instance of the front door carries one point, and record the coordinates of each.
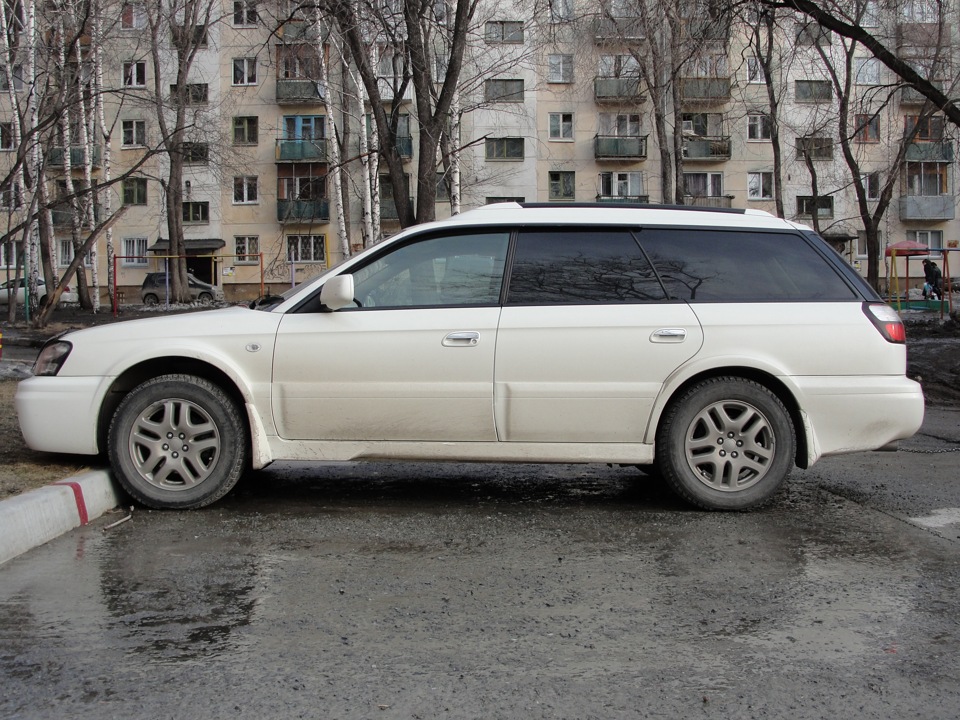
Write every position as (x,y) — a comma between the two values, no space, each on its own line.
(414,360)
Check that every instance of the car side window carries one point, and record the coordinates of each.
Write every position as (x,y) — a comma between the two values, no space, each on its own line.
(581,267)
(706,265)
(462,269)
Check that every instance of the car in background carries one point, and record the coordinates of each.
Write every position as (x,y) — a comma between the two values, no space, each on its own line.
(68,295)
(718,348)
(156,289)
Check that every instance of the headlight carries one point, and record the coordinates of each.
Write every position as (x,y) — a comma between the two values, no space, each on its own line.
(52,357)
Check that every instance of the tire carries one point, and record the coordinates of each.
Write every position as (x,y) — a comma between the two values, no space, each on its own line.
(726,443)
(150,299)
(211,435)
(205,298)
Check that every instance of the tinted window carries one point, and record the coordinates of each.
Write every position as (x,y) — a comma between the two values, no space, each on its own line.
(447,270)
(600,266)
(707,265)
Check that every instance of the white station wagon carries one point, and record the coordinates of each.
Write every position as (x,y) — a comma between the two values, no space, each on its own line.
(720,347)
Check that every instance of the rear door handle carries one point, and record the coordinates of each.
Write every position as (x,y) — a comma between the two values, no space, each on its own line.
(667,335)
(462,338)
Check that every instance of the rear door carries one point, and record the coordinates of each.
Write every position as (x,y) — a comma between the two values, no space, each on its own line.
(586,339)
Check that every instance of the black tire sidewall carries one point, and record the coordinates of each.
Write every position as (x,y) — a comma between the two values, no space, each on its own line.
(221,409)
(671,454)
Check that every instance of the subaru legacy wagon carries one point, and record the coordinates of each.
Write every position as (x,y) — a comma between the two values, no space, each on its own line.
(720,348)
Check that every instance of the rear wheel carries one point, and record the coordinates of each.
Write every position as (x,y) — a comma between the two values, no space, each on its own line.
(178,441)
(150,299)
(726,444)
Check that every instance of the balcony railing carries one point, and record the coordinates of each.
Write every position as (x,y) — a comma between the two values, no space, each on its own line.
(911,96)
(299,31)
(708,201)
(618,29)
(706,89)
(613,147)
(299,90)
(388,209)
(78,156)
(293,150)
(299,211)
(707,147)
(930,208)
(619,199)
(929,152)
(617,89)
(923,35)
(63,216)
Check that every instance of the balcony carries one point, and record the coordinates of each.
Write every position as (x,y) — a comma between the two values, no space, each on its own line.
(909,95)
(299,90)
(621,199)
(711,201)
(923,35)
(405,146)
(929,152)
(611,147)
(617,89)
(707,148)
(78,155)
(299,31)
(617,29)
(705,89)
(927,208)
(388,209)
(306,150)
(63,216)
(303,211)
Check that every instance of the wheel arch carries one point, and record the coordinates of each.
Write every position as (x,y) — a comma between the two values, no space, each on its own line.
(762,377)
(153,367)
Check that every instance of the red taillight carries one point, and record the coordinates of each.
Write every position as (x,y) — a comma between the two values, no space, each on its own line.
(886,321)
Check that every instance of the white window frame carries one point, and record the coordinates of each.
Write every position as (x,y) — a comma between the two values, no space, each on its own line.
(11,196)
(756,182)
(6,133)
(249,187)
(866,71)
(134,74)
(247,11)
(559,68)
(246,68)
(871,183)
(756,127)
(927,237)
(138,14)
(558,180)
(621,184)
(66,252)
(250,245)
(560,127)
(299,259)
(754,71)
(133,126)
(136,247)
(713,183)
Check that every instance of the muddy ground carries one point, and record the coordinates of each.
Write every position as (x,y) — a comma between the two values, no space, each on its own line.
(933,359)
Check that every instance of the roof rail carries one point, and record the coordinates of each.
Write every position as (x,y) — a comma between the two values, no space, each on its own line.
(631,206)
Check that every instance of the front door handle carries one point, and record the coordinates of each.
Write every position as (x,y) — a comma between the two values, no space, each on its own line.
(462,338)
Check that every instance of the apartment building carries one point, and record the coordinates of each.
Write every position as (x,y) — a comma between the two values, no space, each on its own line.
(563,101)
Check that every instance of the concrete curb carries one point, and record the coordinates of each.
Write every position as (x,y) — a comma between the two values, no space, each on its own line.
(38,516)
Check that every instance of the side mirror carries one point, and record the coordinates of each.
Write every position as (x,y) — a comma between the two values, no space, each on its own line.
(337,292)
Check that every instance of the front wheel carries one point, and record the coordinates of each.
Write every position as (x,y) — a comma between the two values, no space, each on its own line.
(726,443)
(178,441)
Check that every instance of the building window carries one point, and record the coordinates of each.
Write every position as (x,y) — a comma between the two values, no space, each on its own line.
(927,179)
(247,249)
(821,205)
(561,10)
(923,128)
(867,128)
(503,31)
(503,90)
(754,70)
(560,68)
(10,196)
(135,191)
(921,11)
(67,253)
(870,16)
(618,66)
(561,126)
(812,33)
(760,186)
(195,153)
(620,124)
(759,127)
(816,148)
(17,77)
(703,184)
(192,34)
(133,16)
(871,184)
(134,252)
(622,185)
(309,188)
(866,71)
(135,74)
(134,133)
(814,91)
(245,130)
(562,185)
(244,71)
(193,93)
(245,12)
(306,248)
(510,148)
(6,136)
(314,127)
(196,212)
(245,190)
(930,238)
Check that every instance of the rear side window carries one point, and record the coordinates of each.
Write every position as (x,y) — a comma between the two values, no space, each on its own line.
(704,265)
(581,267)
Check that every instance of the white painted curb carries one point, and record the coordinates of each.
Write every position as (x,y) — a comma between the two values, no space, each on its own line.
(38,516)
